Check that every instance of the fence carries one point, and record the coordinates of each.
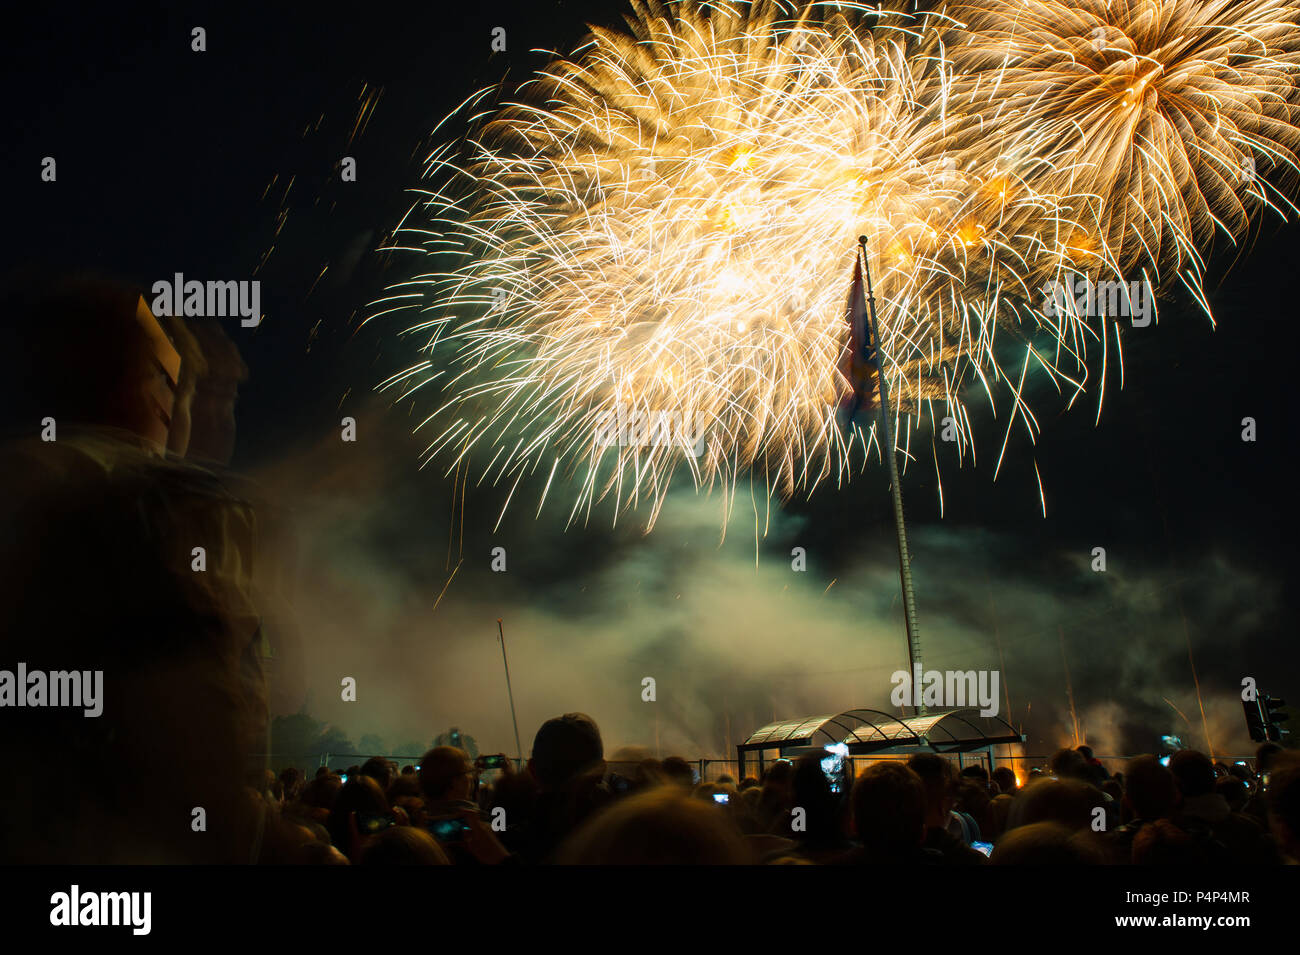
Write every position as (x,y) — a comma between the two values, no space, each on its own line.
(707,769)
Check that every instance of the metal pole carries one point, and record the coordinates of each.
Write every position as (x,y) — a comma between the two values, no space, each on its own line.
(887,448)
(1069,687)
(510,693)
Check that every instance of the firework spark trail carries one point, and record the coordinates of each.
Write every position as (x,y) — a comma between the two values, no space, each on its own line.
(659,227)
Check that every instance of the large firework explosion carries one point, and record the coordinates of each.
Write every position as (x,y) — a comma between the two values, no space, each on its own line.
(659,228)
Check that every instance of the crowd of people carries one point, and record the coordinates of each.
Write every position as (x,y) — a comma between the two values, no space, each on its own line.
(566,806)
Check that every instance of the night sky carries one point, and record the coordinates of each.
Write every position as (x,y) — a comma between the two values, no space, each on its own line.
(164,159)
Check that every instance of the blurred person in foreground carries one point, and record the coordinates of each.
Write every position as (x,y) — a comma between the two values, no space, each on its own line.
(664,826)
(103,516)
(1284,805)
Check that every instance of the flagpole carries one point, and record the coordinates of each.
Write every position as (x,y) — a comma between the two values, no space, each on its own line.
(896,492)
(510,693)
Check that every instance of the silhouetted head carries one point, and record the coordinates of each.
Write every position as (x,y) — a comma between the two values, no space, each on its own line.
(446,773)
(1046,843)
(889,809)
(84,350)
(566,747)
(1151,792)
(1193,772)
(664,826)
(403,845)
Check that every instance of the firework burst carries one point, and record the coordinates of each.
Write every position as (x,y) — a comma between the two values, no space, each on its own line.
(659,228)
(1166,114)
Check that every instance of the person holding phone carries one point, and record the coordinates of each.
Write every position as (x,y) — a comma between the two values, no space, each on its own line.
(448,779)
(939,780)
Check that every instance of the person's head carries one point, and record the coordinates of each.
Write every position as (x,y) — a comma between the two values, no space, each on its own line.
(1085,752)
(972,797)
(677,771)
(779,774)
(1163,843)
(977,773)
(889,809)
(937,776)
(403,786)
(1284,803)
(565,748)
(810,790)
(360,794)
(1193,772)
(1005,779)
(1069,802)
(293,781)
(378,769)
(648,774)
(1151,792)
(663,826)
(1046,843)
(403,845)
(1068,764)
(1233,790)
(85,350)
(322,791)
(516,793)
(446,773)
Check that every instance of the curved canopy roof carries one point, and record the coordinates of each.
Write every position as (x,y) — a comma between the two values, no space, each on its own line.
(868,731)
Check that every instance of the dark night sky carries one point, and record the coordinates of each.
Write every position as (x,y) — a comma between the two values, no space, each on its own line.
(163,156)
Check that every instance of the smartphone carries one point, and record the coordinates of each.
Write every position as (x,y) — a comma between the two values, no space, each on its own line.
(722,798)
(1164,760)
(343,776)
(448,830)
(984,847)
(492,762)
(370,823)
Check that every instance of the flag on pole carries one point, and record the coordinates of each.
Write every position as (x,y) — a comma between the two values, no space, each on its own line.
(859,364)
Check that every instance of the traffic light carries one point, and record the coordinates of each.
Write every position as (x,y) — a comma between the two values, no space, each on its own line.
(1255,720)
(1264,717)
(1273,717)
